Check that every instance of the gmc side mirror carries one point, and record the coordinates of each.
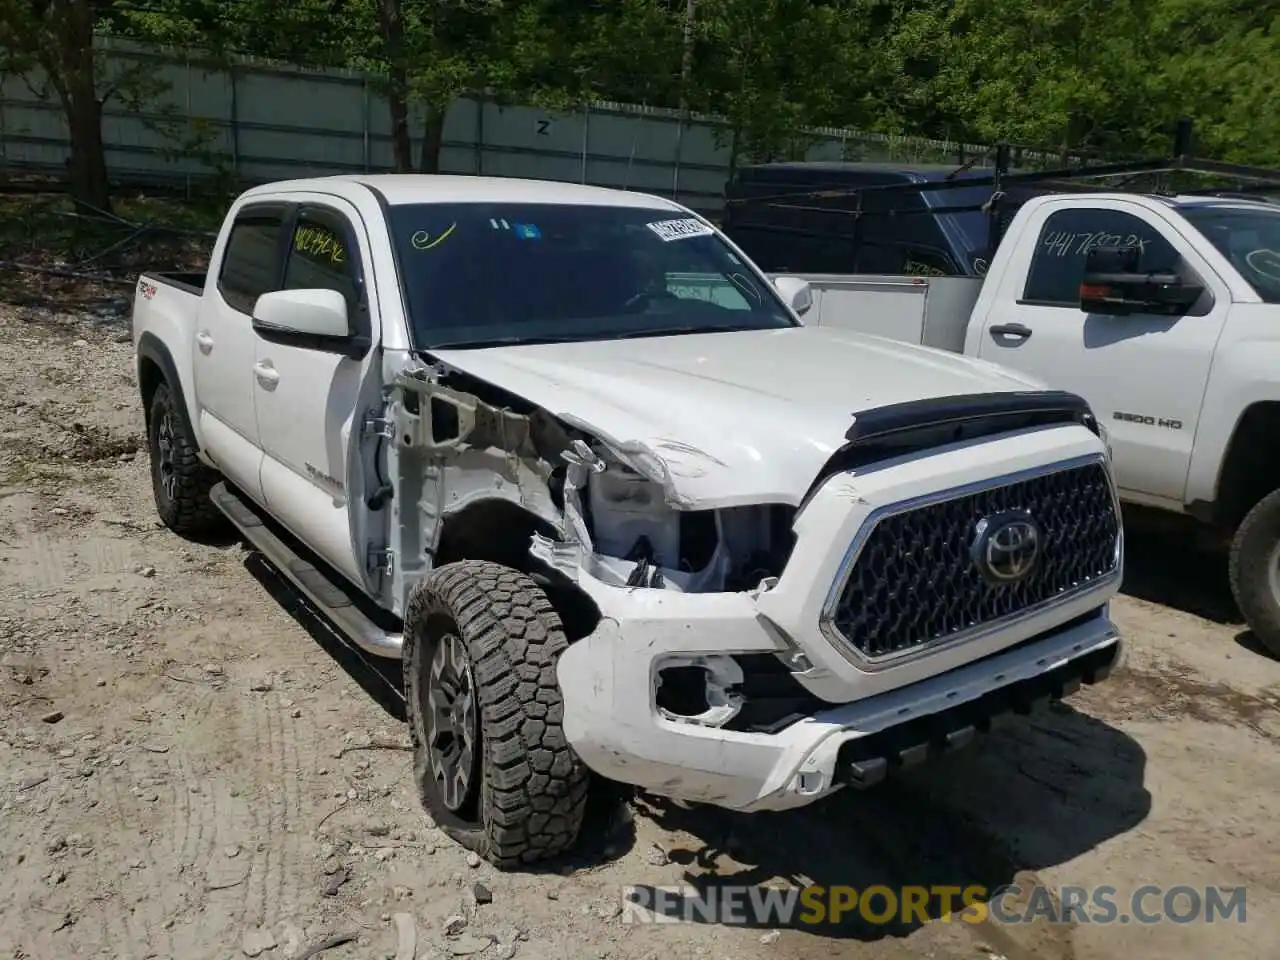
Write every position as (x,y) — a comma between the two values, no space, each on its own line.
(1113,285)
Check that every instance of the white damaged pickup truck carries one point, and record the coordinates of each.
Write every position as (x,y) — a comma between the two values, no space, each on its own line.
(613,524)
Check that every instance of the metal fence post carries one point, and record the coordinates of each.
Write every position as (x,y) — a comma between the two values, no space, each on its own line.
(675,173)
(480,105)
(235,123)
(586,128)
(364,121)
(631,159)
(187,179)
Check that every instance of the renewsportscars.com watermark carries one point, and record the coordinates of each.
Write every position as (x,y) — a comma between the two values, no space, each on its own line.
(884,905)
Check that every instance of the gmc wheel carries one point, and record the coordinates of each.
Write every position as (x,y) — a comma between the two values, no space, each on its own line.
(1255,571)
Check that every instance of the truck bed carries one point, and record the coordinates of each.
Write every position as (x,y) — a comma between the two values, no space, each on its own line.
(189,282)
(932,311)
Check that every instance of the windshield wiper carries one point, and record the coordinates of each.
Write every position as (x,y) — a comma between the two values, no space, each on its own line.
(500,342)
(579,338)
(678,331)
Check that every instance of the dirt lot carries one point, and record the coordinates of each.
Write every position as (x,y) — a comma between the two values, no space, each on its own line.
(181,772)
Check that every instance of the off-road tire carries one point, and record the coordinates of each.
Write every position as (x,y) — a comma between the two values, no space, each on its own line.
(1254,551)
(531,792)
(186,508)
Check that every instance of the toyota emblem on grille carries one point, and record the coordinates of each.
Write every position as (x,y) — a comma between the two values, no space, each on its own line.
(1006,547)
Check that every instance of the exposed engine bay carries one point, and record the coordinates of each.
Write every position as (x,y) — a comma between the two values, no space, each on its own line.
(613,506)
(643,541)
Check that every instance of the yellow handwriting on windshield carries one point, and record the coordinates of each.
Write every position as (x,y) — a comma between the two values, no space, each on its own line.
(319,243)
(422,240)
(914,268)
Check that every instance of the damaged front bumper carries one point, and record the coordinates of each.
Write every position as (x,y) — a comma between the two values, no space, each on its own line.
(788,713)
(613,721)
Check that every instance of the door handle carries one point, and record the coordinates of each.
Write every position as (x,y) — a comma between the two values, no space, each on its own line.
(267,375)
(204,341)
(1016,330)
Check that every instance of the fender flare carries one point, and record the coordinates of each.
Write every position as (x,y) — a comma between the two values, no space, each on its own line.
(152,348)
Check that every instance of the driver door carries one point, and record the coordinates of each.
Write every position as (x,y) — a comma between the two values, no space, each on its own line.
(1144,375)
(311,394)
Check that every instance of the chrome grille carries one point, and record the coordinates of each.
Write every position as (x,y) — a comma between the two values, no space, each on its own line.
(914,581)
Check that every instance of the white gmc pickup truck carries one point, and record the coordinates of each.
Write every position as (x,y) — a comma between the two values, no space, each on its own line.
(496,428)
(1163,312)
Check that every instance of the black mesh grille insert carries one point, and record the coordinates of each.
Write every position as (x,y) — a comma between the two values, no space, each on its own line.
(915,581)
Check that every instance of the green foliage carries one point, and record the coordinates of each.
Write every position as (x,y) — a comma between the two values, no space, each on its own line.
(1076,77)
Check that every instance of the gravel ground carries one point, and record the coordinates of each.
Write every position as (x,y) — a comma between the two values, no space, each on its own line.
(191,766)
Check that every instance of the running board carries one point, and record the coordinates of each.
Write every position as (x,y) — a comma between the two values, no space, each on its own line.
(323,591)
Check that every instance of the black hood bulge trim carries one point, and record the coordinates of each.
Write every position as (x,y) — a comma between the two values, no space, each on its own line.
(916,425)
(1053,405)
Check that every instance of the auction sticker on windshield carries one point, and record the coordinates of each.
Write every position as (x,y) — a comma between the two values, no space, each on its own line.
(669,230)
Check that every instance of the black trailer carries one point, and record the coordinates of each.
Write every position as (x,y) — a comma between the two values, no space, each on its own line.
(935,220)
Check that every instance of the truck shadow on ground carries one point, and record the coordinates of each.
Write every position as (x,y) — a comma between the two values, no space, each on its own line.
(378,677)
(1036,793)
(608,831)
(1169,566)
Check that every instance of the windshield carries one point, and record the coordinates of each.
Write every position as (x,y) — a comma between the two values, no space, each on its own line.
(483,274)
(1250,239)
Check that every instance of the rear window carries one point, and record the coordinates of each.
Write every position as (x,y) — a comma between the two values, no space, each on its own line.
(251,261)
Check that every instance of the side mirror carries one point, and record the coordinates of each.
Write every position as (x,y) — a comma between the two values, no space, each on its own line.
(1112,284)
(316,312)
(796,292)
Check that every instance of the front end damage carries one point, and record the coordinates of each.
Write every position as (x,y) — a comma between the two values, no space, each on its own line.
(609,511)
(708,668)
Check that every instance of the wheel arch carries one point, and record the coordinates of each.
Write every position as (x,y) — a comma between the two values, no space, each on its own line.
(1250,469)
(499,530)
(156,366)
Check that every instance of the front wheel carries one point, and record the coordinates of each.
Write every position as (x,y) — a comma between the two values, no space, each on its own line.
(491,762)
(1255,571)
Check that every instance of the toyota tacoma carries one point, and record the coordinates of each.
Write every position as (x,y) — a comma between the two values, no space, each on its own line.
(569,455)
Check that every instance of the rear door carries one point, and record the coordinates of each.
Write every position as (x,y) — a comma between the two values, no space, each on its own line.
(1144,375)
(226,394)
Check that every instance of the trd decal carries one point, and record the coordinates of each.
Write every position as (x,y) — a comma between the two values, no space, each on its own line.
(318,474)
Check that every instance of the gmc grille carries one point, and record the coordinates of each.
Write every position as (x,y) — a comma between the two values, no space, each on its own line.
(915,580)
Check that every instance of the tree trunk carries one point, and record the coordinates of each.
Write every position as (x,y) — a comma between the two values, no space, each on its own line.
(391,27)
(432,139)
(88,166)
(733,150)
(77,87)
(401,143)
(686,56)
